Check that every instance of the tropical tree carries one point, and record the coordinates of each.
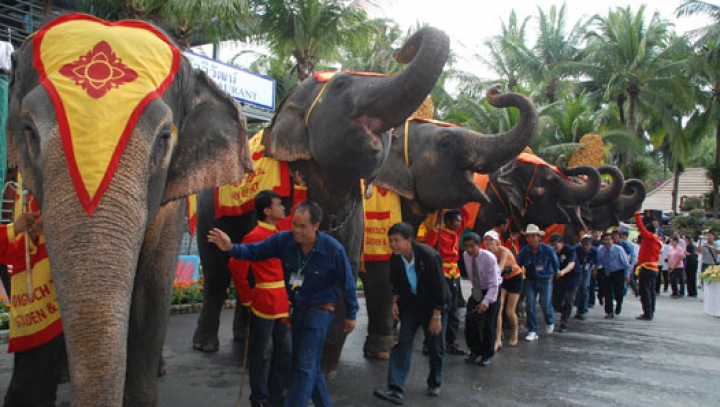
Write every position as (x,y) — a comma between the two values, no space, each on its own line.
(376,53)
(549,62)
(707,73)
(310,30)
(211,20)
(501,59)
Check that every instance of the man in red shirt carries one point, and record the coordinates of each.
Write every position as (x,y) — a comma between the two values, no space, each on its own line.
(647,268)
(446,240)
(269,306)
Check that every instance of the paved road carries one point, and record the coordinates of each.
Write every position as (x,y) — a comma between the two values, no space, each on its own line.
(672,361)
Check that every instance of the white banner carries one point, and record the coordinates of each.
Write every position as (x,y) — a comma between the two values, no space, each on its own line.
(244,86)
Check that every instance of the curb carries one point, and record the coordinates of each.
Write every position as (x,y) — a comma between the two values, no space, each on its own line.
(4,335)
(177,309)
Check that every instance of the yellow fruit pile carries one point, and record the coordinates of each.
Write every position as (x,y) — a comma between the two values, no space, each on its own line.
(426,111)
(592,153)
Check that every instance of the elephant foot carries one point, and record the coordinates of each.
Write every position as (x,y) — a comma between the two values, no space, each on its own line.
(378,347)
(376,355)
(205,344)
(330,375)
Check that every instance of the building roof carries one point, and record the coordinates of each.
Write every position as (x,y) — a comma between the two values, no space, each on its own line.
(693,183)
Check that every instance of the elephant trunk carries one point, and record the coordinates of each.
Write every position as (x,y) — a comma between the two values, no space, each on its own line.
(611,191)
(394,99)
(576,193)
(492,151)
(93,266)
(632,197)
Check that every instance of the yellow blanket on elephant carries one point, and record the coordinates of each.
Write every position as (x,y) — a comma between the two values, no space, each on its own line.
(382,210)
(270,174)
(99,95)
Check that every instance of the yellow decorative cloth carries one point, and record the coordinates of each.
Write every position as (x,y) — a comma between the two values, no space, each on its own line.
(382,210)
(270,174)
(100,77)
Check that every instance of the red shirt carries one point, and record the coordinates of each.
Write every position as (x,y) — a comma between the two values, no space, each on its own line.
(649,248)
(449,247)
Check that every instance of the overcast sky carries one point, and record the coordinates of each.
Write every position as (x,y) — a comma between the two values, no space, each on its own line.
(470,22)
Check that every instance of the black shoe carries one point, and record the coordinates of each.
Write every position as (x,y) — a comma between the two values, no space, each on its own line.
(433,391)
(609,315)
(390,395)
(454,349)
(643,317)
(472,358)
(618,309)
(486,361)
(563,328)
(581,317)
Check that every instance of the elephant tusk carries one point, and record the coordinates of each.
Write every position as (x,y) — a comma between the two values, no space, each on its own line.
(368,190)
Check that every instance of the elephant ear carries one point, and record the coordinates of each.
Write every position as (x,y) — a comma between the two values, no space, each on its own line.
(511,183)
(394,175)
(212,147)
(287,137)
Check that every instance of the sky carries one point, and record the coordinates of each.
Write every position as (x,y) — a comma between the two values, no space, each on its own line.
(470,22)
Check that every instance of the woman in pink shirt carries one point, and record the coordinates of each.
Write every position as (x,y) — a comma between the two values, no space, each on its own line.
(676,254)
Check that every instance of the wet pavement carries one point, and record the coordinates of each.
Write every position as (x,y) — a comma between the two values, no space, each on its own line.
(671,361)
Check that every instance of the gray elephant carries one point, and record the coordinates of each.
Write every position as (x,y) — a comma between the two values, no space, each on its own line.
(335,132)
(121,91)
(431,167)
(529,190)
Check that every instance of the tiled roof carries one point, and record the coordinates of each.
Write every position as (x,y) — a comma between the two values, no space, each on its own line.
(693,183)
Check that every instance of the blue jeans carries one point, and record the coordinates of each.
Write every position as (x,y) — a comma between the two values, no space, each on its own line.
(582,299)
(273,389)
(543,288)
(410,320)
(309,328)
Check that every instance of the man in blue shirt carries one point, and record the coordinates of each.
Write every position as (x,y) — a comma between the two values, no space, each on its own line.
(617,272)
(541,265)
(314,264)
(586,255)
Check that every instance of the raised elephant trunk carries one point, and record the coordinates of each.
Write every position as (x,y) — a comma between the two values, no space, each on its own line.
(394,99)
(633,195)
(574,192)
(610,191)
(492,151)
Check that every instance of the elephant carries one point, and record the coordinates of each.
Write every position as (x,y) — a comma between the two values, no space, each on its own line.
(531,191)
(623,207)
(113,252)
(335,132)
(435,173)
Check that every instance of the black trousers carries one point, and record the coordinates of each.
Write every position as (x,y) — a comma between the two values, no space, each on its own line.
(480,328)
(677,278)
(647,291)
(613,286)
(36,375)
(691,279)
(563,297)
(664,281)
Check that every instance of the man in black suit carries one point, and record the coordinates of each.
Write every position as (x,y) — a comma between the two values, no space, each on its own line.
(420,299)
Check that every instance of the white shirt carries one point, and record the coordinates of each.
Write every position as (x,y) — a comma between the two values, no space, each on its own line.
(6,49)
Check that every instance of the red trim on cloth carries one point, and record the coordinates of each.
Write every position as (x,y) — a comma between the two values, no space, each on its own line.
(23,343)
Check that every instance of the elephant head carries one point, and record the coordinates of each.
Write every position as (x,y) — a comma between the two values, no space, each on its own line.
(434,163)
(538,191)
(113,249)
(619,209)
(342,123)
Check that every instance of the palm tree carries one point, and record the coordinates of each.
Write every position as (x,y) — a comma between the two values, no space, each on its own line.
(375,54)
(707,73)
(623,54)
(310,30)
(502,60)
(213,20)
(549,62)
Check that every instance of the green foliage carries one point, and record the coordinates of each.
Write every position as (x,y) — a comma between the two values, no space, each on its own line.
(4,314)
(690,224)
(712,224)
(186,293)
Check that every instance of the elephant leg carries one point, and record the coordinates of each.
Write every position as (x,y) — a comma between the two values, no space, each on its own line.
(378,300)
(150,307)
(217,281)
(36,375)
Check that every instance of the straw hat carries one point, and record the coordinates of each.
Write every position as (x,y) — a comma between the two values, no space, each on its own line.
(533,229)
